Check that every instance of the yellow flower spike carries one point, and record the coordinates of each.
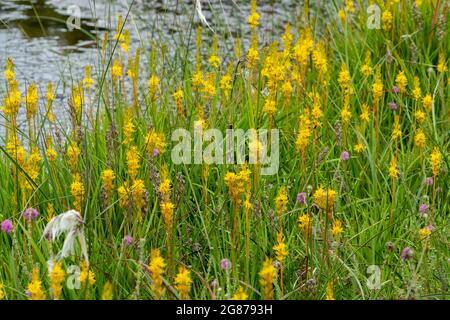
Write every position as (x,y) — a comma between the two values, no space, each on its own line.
(253,19)
(397,131)
(108,177)
(133,162)
(156,270)
(366,68)
(416,92)
(420,139)
(428,102)
(337,228)
(330,292)
(280,248)
(240,294)
(73,153)
(267,277)
(281,200)
(178,96)
(77,191)
(87,276)
(386,19)
(35,290)
(2,291)
(183,282)
(393,170)
(153,84)
(401,81)
(107,293)
(57,276)
(31,101)
(116,70)
(365,113)
(441,67)
(304,223)
(324,199)
(435,161)
(88,82)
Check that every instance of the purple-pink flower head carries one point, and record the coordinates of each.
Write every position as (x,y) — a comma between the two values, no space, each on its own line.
(429,181)
(395,89)
(406,254)
(430,227)
(225,264)
(30,214)
(345,155)
(6,226)
(155,152)
(127,241)
(392,105)
(301,197)
(423,209)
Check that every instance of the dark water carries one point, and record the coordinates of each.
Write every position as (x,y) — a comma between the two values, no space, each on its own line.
(36,35)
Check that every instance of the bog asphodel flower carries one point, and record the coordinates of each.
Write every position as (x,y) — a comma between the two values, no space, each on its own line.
(267,277)
(416,92)
(108,177)
(428,102)
(156,270)
(2,292)
(153,84)
(304,223)
(386,18)
(324,198)
(87,276)
(155,142)
(31,101)
(107,293)
(116,70)
(88,82)
(365,113)
(253,19)
(57,276)
(435,161)
(366,68)
(73,153)
(397,131)
(77,190)
(240,294)
(420,139)
(420,116)
(442,67)
(330,292)
(401,81)
(393,170)
(304,132)
(9,70)
(281,200)
(337,228)
(133,162)
(280,248)
(183,282)
(178,96)
(35,290)
(377,87)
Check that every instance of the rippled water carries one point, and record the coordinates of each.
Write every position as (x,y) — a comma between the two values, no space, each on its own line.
(35,33)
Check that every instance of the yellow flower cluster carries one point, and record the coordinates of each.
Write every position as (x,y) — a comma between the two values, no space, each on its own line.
(267,277)
(156,270)
(183,282)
